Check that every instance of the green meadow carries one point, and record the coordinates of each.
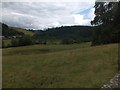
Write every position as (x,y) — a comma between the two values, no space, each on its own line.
(59,66)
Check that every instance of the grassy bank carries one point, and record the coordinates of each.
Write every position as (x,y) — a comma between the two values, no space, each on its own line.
(42,66)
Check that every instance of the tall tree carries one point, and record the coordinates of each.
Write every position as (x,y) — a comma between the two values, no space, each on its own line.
(106,14)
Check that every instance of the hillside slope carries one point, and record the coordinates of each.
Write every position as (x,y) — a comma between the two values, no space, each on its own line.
(9,31)
(75,34)
(26,32)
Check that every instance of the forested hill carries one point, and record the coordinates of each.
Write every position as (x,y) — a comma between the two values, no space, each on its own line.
(71,33)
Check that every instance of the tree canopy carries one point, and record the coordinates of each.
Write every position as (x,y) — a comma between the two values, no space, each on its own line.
(107,23)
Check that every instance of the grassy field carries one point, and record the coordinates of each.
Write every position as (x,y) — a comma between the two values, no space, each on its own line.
(59,66)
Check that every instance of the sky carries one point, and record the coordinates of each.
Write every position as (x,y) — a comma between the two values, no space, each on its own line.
(46,14)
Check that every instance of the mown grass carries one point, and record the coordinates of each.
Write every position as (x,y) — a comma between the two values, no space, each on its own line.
(59,66)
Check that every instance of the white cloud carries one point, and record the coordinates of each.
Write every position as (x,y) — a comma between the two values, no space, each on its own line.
(49,0)
(79,19)
(38,15)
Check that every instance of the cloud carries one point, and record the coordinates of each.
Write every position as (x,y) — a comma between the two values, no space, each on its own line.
(79,20)
(49,0)
(39,15)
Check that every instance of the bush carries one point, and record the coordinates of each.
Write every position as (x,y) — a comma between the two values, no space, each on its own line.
(67,41)
(22,41)
(3,44)
(15,42)
(25,40)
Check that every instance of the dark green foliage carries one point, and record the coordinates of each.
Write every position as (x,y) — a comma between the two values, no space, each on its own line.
(15,42)
(3,44)
(108,20)
(67,41)
(22,41)
(25,40)
(105,12)
(9,32)
(65,34)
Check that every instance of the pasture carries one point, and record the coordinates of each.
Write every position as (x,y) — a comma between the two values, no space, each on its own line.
(59,66)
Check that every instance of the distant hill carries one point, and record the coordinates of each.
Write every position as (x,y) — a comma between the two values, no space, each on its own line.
(8,31)
(61,35)
(71,33)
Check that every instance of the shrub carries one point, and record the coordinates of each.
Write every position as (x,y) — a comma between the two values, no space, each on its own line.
(25,40)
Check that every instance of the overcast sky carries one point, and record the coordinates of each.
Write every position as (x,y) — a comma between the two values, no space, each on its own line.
(40,15)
